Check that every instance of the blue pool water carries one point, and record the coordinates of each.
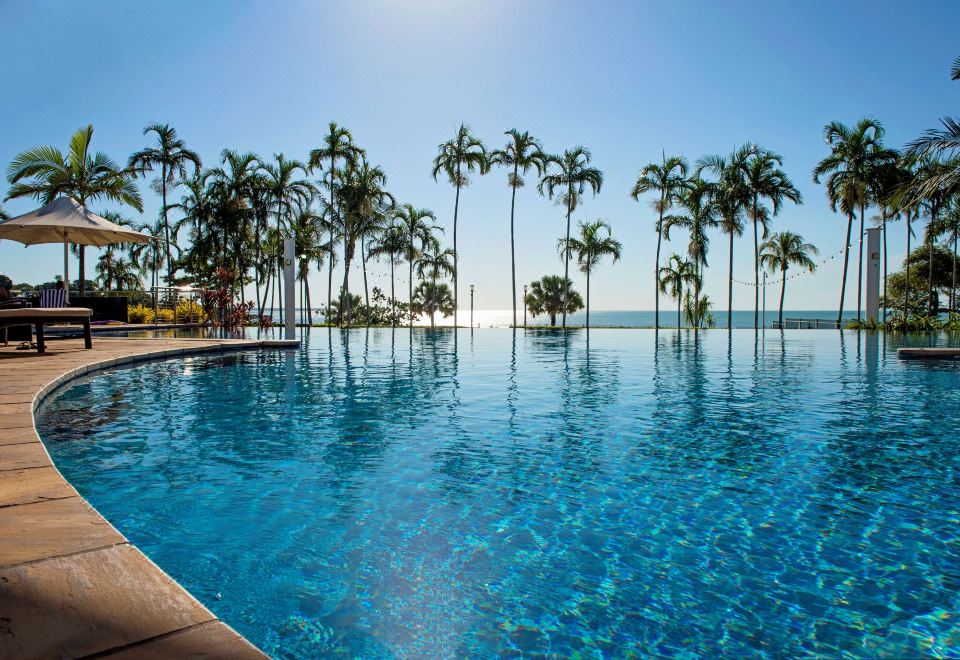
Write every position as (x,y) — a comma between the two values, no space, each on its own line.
(378,494)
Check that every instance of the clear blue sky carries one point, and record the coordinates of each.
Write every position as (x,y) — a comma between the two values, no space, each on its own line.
(625,79)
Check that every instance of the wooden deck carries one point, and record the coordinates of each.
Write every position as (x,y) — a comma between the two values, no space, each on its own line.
(70,584)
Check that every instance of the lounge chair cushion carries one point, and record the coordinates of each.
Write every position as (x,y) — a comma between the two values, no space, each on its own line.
(41,313)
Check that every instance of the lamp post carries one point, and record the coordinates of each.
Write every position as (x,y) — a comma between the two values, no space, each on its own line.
(471,306)
(524,305)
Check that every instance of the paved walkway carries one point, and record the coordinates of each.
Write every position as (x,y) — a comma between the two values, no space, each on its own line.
(70,584)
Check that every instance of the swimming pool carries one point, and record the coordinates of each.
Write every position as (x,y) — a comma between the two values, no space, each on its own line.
(386,494)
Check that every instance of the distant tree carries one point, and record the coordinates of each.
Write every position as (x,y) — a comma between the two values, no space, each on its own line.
(419,232)
(595,242)
(547,295)
(783,250)
(430,298)
(677,274)
(701,215)
(434,263)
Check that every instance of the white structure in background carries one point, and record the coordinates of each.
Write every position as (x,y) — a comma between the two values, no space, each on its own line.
(873,274)
(289,290)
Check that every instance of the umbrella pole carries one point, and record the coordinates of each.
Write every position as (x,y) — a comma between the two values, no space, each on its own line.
(66,269)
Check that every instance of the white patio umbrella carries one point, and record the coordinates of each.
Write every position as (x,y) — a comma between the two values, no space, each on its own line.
(65,220)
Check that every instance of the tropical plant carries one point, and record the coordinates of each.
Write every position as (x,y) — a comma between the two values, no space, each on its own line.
(572,180)
(434,263)
(416,228)
(855,156)
(172,155)
(731,196)
(520,154)
(45,173)
(456,158)
(696,309)
(337,147)
(551,295)
(677,274)
(782,250)
(112,269)
(391,244)
(765,181)
(669,180)
(595,242)
(430,298)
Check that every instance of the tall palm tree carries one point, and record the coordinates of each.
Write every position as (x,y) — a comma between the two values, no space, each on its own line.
(927,187)
(337,147)
(674,276)
(287,190)
(456,158)
(45,173)
(417,228)
(731,195)
(361,195)
(949,225)
(391,244)
(521,153)
(765,181)
(782,250)
(172,155)
(551,295)
(855,155)
(434,263)
(701,215)
(595,242)
(668,179)
(573,179)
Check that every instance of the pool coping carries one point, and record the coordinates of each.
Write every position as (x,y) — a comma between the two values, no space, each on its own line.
(70,584)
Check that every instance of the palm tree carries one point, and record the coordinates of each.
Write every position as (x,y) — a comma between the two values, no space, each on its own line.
(286,190)
(430,298)
(147,257)
(416,229)
(361,195)
(668,179)
(172,155)
(337,146)
(949,224)
(701,215)
(595,242)
(573,179)
(521,153)
(434,263)
(112,269)
(551,295)
(674,276)
(782,250)
(855,155)
(44,173)
(391,244)
(765,180)
(463,154)
(731,196)
(934,196)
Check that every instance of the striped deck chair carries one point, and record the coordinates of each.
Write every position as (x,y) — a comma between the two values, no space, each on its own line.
(53,298)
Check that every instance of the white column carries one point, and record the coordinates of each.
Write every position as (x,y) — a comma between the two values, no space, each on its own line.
(873,274)
(289,290)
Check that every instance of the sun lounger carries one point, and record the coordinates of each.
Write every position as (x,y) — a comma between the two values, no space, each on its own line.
(39,316)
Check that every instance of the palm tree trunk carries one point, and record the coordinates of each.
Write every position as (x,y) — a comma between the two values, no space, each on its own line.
(393,297)
(933,302)
(953,280)
(679,302)
(696,297)
(783,292)
(860,265)
(433,306)
(410,281)
(279,285)
(883,219)
(656,269)
(330,279)
(345,294)
(846,261)
(906,286)
(588,299)
(256,269)
(363,261)
(730,287)
(333,213)
(306,287)
(756,268)
(566,257)
(456,210)
(166,223)
(513,260)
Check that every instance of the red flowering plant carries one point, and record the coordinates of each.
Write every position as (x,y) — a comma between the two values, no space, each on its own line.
(219,305)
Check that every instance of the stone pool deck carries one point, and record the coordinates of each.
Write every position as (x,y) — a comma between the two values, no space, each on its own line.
(70,584)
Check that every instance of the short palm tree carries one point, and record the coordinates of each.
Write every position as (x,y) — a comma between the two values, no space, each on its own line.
(172,155)
(430,298)
(338,147)
(456,158)
(595,242)
(551,295)
(434,263)
(731,195)
(572,180)
(677,274)
(44,173)
(521,153)
(668,179)
(112,269)
(701,215)
(855,155)
(782,250)
(765,181)
(418,232)
(392,244)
